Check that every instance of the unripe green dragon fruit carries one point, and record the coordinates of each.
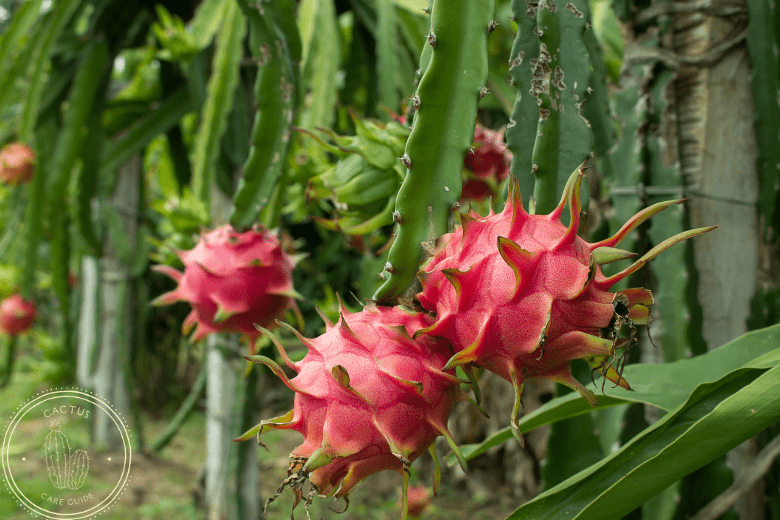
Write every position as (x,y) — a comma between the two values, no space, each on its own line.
(363,183)
(522,295)
(367,398)
(233,281)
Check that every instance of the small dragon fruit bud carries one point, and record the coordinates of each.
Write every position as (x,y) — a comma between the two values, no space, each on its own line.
(16,315)
(368,397)
(17,164)
(233,281)
(523,295)
(487,164)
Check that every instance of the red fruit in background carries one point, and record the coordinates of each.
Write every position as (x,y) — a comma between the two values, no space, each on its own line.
(523,295)
(16,315)
(418,499)
(367,398)
(233,281)
(487,164)
(17,164)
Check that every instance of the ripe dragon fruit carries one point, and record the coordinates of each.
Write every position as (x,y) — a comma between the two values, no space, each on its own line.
(16,315)
(233,281)
(17,164)
(367,398)
(522,295)
(487,164)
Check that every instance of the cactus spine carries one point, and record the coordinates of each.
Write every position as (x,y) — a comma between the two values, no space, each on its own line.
(442,132)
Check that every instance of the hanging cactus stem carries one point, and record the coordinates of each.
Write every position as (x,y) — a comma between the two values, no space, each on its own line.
(441,134)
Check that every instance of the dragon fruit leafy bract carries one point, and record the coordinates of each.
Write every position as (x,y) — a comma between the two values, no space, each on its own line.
(233,281)
(367,398)
(522,295)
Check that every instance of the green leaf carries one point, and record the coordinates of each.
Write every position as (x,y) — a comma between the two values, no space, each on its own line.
(664,385)
(716,418)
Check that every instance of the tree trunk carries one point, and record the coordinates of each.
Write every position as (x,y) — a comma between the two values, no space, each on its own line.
(718,160)
(231,468)
(116,309)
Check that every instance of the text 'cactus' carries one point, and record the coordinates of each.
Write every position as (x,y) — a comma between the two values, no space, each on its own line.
(523,295)
(233,281)
(368,397)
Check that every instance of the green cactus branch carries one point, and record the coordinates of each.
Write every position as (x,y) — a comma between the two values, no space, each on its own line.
(277,50)
(551,70)
(446,102)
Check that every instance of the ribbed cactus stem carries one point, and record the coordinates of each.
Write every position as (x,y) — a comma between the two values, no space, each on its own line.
(442,132)
(551,70)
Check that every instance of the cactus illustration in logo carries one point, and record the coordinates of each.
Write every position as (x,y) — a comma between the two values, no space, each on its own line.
(66,469)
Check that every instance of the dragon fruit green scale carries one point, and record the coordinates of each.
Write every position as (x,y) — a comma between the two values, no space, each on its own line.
(523,295)
(233,281)
(368,397)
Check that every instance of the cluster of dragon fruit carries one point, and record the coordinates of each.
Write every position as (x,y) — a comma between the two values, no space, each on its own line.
(517,294)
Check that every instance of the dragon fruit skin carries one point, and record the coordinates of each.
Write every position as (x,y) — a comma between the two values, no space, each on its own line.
(16,315)
(522,295)
(233,281)
(487,164)
(17,164)
(368,398)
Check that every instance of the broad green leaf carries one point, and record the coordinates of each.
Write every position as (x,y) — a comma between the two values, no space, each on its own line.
(715,418)
(664,385)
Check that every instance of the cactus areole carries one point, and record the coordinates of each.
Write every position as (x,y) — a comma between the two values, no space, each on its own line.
(522,295)
(17,164)
(367,398)
(233,281)
(16,315)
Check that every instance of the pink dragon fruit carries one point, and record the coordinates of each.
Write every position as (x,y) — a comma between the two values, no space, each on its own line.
(16,315)
(233,281)
(487,164)
(17,164)
(367,398)
(522,295)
